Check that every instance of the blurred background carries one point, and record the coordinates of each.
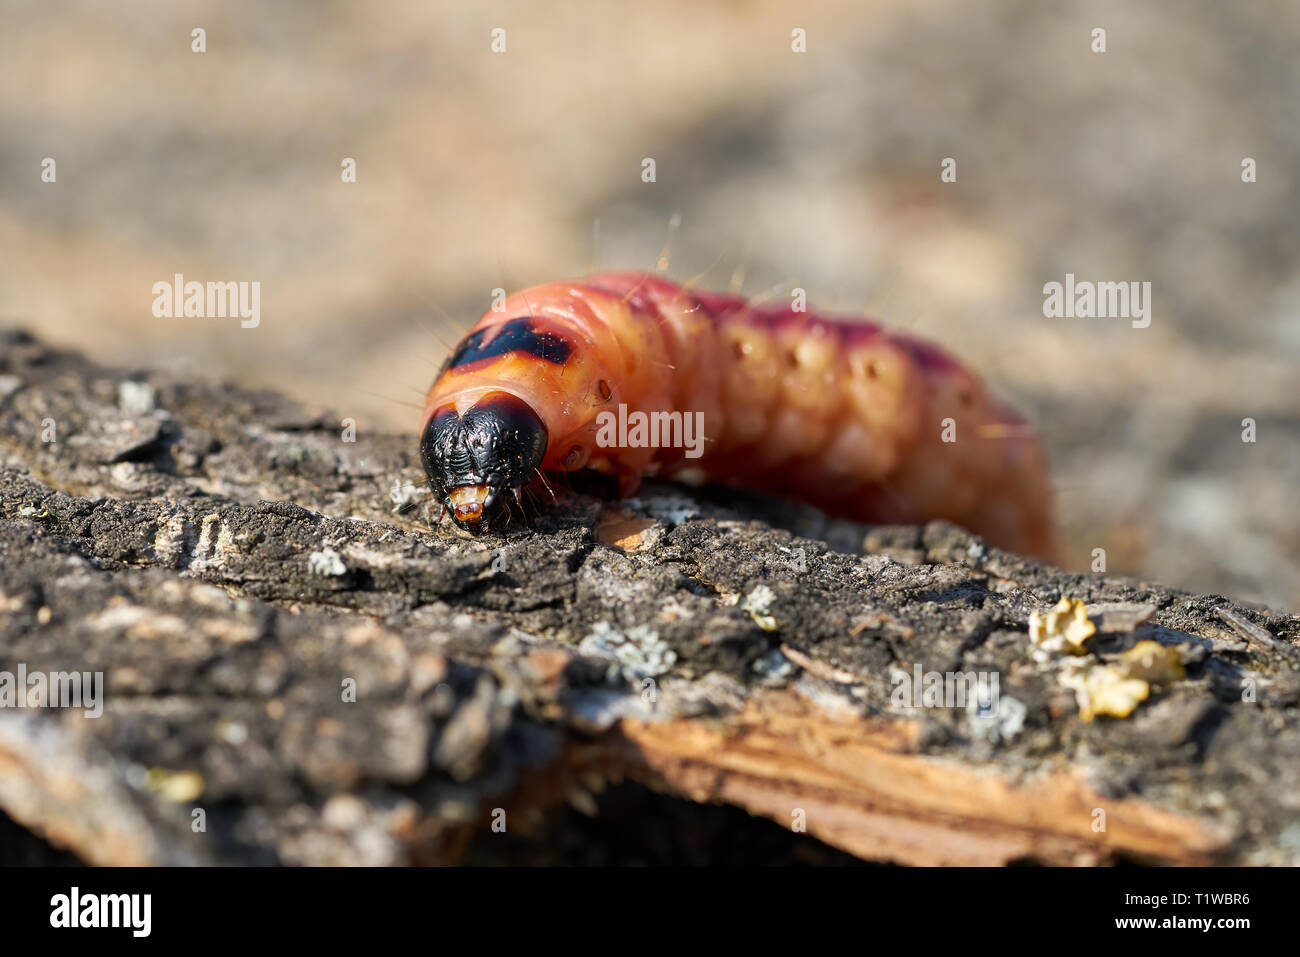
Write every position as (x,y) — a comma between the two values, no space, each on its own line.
(477,169)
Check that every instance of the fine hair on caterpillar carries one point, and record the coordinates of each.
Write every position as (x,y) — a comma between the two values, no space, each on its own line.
(629,374)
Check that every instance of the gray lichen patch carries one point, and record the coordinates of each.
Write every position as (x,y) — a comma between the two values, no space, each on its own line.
(638,652)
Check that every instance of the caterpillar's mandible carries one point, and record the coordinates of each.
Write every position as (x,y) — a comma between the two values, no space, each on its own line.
(863,423)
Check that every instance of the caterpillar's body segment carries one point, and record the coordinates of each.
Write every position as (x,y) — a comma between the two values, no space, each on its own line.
(839,413)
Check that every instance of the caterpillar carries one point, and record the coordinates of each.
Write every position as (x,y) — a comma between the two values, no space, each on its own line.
(861,422)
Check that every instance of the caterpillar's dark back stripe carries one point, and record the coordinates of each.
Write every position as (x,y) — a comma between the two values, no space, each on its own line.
(517,335)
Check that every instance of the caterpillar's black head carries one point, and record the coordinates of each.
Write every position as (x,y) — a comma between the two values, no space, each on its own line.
(474,461)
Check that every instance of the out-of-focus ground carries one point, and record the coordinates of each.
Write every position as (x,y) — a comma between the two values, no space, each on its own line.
(821,170)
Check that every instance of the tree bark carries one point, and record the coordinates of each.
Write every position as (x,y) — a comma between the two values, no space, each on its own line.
(298,669)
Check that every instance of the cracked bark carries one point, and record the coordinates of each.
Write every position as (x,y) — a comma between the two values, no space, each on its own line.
(229,563)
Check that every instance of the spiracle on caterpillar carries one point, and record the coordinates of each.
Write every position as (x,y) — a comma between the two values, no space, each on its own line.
(864,423)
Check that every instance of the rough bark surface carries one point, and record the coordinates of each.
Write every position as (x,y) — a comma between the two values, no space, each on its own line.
(234,566)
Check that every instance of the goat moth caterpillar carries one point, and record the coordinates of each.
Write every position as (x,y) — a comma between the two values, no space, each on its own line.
(630,374)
